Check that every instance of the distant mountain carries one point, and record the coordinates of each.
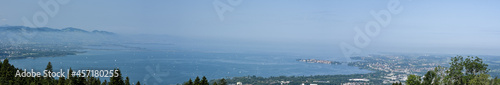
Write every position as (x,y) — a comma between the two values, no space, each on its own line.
(46,29)
(71,29)
(26,35)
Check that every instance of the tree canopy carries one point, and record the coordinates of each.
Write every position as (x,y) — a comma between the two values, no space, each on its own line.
(462,71)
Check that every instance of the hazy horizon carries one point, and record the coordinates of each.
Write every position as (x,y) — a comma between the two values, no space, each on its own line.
(312,27)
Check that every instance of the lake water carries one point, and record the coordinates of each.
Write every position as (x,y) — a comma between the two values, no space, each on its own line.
(170,66)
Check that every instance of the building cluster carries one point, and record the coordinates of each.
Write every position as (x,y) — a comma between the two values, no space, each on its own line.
(357,82)
(318,61)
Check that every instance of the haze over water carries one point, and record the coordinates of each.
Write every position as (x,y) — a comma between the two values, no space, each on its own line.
(174,65)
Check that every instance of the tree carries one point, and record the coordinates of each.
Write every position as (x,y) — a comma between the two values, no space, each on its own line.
(81,79)
(222,82)
(138,83)
(105,82)
(429,77)
(61,81)
(462,70)
(413,80)
(397,83)
(215,83)
(127,81)
(6,69)
(49,69)
(116,79)
(197,81)
(190,82)
(204,81)
(495,81)
(71,79)
(4,72)
(482,79)
(475,67)
(440,75)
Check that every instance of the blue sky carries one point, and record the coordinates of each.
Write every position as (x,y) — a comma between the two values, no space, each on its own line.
(423,26)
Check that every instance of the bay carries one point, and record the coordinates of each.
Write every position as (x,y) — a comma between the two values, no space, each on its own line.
(172,66)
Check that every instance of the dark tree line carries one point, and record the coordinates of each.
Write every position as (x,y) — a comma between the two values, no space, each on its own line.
(204,81)
(8,72)
(462,71)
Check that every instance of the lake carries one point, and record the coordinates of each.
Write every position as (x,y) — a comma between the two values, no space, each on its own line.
(163,64)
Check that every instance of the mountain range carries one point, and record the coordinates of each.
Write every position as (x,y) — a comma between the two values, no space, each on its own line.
(46,29)
(46,35)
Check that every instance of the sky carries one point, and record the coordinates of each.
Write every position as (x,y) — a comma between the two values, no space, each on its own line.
(445,26)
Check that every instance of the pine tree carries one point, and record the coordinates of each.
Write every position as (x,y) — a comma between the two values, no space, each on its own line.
(105,82)
(117,78)
(61,81)
(71,79)
(190,82)
(222,82)
(49,69)
(3,71)
(138,83)
(215,83)
(127,81)
(197,81)
(81,79)
(98,81)
(204,81)
(7,73)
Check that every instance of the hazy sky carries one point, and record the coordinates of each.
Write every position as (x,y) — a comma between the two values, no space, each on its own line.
(465,26)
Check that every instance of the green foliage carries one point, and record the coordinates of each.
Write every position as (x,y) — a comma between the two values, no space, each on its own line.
(215,83)
(429,78)
(116,80)
(190,82)
(127,81)
(222,82)
(105,82)
(397,83)
(197,81)
(413,80)
(481,79)
(8,71)
(462,71)
(204,81)
(48,80)
(138,83)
